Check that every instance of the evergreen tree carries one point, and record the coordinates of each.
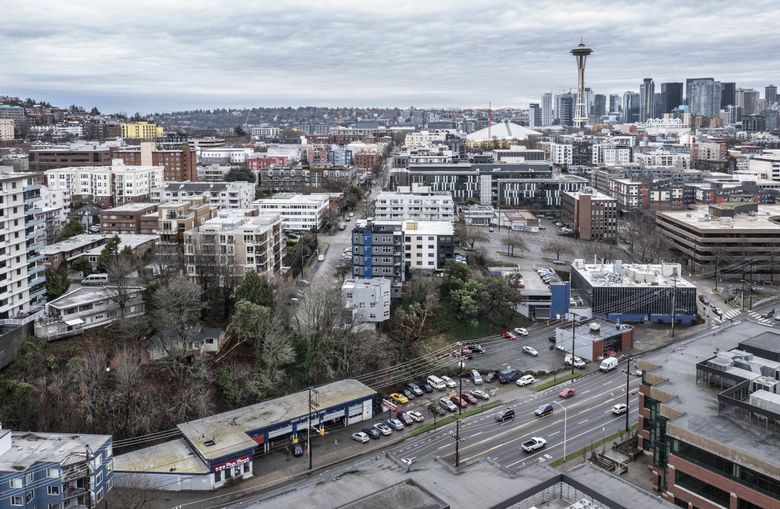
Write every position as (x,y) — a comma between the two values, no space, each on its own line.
(256,290)
(109,251)
(57,283)
(73,228)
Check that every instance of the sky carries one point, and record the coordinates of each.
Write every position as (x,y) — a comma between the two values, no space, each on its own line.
(163,55)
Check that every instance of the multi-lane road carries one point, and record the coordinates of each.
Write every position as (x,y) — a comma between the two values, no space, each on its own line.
(587,418)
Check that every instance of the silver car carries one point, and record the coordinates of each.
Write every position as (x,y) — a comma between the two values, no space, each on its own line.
(383,428)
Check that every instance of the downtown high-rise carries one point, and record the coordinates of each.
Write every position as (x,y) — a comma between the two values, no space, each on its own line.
(547,109)
(646,99)
(671,96)
(703,96)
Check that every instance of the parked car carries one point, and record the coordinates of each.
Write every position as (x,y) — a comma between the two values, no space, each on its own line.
(619,409)
(533,444)
(462,403)
(448,405)
(416,416)
(505,414)
(543,410)
(383,428)
(567,393)
(449,382)
(399,398)
(436,382)
(521,331)
(360,437)
(509,335)
(468,397)
(463,353)
(415,389)
(426,387)
(409,394)
(490,377)
(508,375)
(436,409)
(372,432)
(525,380)
(530,350)
(297,449)
(476,348)
(321,258)
(480,394)
(578,363)
(476,377)
(406,419)
(608,364)
(396,424)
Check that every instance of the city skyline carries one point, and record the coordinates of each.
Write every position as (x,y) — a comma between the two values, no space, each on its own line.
(168,58)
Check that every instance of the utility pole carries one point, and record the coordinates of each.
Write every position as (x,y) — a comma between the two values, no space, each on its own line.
(89,478)
(717,268)
(312,404)
(457,419)
(750,286)
(573,323)
(742,306)
(628,381)
(674,303)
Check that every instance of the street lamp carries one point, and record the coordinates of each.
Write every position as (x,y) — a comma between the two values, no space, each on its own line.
(564,426)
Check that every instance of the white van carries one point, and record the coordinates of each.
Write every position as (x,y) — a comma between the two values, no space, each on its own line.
(608,364)
(95,280)
(436,382)
(476,377)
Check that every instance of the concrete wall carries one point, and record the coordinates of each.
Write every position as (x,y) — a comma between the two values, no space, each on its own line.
(11,341)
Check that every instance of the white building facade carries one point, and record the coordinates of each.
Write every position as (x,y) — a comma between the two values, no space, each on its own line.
(115,184)
(561,153)
(222,195)
(416,202)
(368,299)
(428,244)
(6,129)
(301,212)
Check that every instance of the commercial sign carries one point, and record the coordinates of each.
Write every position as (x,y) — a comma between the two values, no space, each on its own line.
(389,405)
(236,462)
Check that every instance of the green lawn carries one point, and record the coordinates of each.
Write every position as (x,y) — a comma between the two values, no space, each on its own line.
(557,380)
(488,324)
(499,263)
(588,448)
(451,418)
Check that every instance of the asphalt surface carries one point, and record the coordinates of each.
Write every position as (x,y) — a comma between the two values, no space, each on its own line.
(588,417)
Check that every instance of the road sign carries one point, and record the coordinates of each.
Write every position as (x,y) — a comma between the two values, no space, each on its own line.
(389,405)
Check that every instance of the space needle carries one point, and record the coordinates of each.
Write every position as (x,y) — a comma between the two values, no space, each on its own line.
(581,53)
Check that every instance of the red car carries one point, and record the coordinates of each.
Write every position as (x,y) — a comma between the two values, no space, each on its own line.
(509,335)
(468,397)
(459,401)
(404,417)
(567,393)
(467,354)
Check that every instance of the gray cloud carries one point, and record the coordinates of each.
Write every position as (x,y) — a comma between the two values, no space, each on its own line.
(163,55)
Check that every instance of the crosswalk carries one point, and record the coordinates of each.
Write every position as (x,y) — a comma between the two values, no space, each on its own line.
(724,316)
(761,319)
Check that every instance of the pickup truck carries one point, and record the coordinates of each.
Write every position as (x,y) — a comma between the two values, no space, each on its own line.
(533,444)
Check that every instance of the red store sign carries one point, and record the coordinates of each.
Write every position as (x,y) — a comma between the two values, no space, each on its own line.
(232,463)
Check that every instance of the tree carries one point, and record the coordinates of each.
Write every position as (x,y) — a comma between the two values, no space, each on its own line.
(251,322)
(176,313)
(600,250)
(557,246)
(496,292)
(81,265)
(109,251)
(343,269)
(239,131)
(242,174)
(121,287)
(466,299)
(94,111)
(255,289)
(411,322)
(469,234)
(455,274)
(514,241)
(57,283)
(71,229)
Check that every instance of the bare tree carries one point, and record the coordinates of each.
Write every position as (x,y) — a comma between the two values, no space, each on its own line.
(342,269)
(121,284)
(135,491)
(176,314)
(600,250)
(557,246)
(513,242)
(468,234)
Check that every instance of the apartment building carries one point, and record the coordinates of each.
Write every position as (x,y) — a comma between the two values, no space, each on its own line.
(90,245)
(221,195)
(225,155)
(48,470)
(176,218)
(43,159)
(106,185)
(178,164)
(264,131)
(88,307)
(367,299)
(6,129)
(141,130)
(725,236)
(22,235)
(302,212)
(129,218)
(708,419)
(378,252)
(424,138)
(428,244)
(606,154)
(561,154)
(213,172)
(415,202)
(237,242)
(590,214)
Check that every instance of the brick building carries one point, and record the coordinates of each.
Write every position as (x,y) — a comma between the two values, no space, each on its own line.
(129,218)
(590,214)
(49,158)
(179,164)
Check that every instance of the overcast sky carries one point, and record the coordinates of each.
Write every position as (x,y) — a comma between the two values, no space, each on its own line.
(162,55)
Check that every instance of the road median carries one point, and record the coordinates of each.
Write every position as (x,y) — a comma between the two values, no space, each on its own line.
(451,418)
(557,380)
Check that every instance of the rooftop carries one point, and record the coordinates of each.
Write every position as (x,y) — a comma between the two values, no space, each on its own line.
(200,187)
(173,456)
(85,295)
(28,448)
(76,242)
(227,433)
(631,274)
(700,218)
(502,131)
(290,198)
(132,240)
(428,228)
(132,207)
(589,191)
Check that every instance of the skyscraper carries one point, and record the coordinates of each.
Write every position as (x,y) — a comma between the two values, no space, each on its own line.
(770,94)
(589,101)
(747,99)
(727,94)
(581,53)
(703,96)
(646,99)
(671,96)
(564,109)
(630,107)
(599,105)
(614,103)
(547,109)
(534,115)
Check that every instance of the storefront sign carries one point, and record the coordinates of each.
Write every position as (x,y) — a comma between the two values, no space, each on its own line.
(232,463)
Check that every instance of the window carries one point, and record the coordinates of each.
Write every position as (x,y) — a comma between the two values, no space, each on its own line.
(16,501)
(54,506)
(247,467)
(218,476)
(99,478)
(99,495)
(29,496)
(53,490)
(703,489)
(15,483)
(28,479)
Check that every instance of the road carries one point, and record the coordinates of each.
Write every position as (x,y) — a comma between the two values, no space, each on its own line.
(588,418)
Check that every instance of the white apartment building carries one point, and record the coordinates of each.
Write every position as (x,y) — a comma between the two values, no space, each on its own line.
(264,131)
(415,202)
(428,244)
(21,236)
(55,199)
(298,211)
(6,129)
(213,172)
(233,239)
(660,158)
(766,166)
(368,299)
(235,155)
(561,153)
(106,185)
(424,138)
(610,155)
(222,195)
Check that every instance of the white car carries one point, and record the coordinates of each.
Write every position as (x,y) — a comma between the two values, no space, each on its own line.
(449,382)
(521,331)
(619,409)
(415,416)
(383,428)
(361,437)
(321,258)
(525,380)
(578,363)
(530,350)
